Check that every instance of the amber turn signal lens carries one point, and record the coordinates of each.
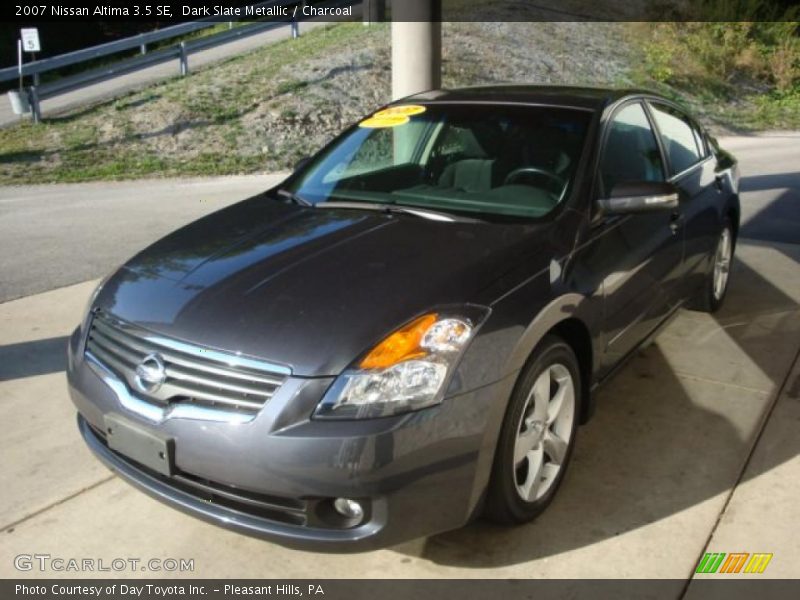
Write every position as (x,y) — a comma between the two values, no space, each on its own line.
(401,345)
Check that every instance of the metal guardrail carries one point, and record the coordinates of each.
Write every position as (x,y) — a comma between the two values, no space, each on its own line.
(180,51)
(78,56)
(136,41)
(36,93)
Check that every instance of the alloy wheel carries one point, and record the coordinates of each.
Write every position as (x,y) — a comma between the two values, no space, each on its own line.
(722,263)
(544,432)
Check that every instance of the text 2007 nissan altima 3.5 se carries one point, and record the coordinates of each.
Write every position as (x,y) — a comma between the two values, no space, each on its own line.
(407,332)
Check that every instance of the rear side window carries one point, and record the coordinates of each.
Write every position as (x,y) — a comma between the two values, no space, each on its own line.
(631,152)
(679,138)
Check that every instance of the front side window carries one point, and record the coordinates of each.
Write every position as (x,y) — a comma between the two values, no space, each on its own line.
(631,151)
(517,161)
(678,137)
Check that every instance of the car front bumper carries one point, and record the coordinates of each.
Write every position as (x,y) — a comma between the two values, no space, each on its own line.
(275,477)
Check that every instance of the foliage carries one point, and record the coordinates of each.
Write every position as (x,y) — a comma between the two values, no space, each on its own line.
(723,54)
(743,74)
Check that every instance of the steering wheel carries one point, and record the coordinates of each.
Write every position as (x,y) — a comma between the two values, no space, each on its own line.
(516,173)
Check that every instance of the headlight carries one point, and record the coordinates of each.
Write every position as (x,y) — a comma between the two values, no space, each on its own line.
(406,371)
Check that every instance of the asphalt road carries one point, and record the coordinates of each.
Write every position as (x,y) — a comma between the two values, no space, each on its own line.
(770,167)
(56,235)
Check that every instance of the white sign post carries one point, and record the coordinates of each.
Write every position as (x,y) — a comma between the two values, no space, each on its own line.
(19,63)
(28,42)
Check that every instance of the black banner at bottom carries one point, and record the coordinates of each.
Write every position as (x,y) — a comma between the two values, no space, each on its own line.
(390,589)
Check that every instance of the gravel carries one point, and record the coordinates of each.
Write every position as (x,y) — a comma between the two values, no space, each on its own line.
(333,91)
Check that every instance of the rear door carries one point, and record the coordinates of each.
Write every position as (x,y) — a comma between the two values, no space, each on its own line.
(638,256)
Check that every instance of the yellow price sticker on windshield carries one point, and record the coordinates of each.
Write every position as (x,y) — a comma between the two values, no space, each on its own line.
(392,116)
(408,110)
(385,121)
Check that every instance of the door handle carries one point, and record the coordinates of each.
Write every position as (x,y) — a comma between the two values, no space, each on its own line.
(718,183)
(675,222)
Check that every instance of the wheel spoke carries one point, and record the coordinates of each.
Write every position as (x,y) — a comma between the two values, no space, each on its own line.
(526,441)
(541,396)
(533,477)
(555,447)
(557,403)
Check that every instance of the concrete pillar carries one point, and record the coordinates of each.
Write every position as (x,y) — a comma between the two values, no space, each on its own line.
(416,46)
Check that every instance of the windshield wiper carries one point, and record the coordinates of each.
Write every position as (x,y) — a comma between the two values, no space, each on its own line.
(292,197)
(423,213)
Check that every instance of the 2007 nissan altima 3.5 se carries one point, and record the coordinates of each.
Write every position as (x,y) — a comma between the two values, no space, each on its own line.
(406,333)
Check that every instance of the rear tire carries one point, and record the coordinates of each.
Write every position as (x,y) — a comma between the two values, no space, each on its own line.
(537,436)
(710,298)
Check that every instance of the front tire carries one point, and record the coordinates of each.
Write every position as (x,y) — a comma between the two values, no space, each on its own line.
(537,436)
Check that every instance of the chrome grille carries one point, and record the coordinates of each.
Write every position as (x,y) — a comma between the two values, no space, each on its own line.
(193,374)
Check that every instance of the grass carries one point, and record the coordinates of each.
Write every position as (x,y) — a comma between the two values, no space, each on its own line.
(774,110)
(142,134)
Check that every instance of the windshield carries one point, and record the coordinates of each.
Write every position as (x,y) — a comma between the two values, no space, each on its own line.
(489,159)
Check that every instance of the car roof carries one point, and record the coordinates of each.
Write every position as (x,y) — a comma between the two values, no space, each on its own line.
(579,97)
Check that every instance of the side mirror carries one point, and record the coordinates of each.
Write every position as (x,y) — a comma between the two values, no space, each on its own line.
(639,197)
(301,163)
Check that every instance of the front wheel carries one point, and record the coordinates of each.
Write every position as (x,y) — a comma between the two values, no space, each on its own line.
(537,436)
(712,295)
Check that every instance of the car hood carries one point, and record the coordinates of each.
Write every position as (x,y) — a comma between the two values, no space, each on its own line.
(309,288)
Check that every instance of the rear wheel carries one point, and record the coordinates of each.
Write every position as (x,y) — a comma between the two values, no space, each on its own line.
(537,436)
(712,295)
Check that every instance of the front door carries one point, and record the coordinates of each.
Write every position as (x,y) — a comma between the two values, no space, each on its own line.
(638,256)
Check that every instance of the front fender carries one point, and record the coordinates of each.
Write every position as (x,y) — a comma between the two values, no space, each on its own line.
(569,306)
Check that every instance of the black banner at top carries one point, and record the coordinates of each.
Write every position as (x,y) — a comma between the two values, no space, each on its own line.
(171,11)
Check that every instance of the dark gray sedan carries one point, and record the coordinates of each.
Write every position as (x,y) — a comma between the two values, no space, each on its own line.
(407,332)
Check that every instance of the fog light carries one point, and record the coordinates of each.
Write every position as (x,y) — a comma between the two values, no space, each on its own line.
(348,508)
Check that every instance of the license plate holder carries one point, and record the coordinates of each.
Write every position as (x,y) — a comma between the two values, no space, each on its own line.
(139,444)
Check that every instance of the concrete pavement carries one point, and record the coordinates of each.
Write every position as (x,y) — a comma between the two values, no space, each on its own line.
(757,521)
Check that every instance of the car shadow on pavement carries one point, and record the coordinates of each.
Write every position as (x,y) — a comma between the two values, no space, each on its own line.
(27,359)
(668,434)
(779,219)
(772,181)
